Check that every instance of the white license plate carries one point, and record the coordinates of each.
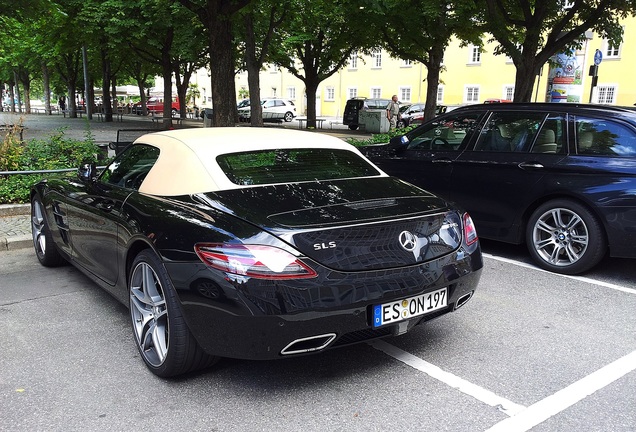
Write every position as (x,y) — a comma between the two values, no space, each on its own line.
(401,310)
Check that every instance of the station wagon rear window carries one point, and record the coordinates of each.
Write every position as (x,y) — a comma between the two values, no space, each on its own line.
(293,165)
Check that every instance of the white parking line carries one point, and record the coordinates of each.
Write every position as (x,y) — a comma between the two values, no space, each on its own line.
(578,278)
(559,401)
(479,393)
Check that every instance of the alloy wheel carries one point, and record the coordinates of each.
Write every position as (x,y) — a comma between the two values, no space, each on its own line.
(149,314)
(38,228)
(560,237)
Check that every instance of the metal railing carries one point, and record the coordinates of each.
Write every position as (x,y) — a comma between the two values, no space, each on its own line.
(53,171)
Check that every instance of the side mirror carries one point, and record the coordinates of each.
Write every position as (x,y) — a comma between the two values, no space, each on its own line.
(87,172)
(398,144)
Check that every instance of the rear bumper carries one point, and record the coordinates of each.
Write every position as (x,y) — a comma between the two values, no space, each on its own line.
(261,320)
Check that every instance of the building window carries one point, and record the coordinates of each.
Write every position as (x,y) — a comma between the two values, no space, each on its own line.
(508,92)
(330,94)
(376,92)
(407,63)
(606,94)
(353,60)
(291,93)
(376,57)
(612,51)
(474,54)
(440,94)
(273,69)
(471,94)
(352,92)
(405,94)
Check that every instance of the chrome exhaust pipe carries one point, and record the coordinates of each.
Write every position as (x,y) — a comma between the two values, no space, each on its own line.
(308,344)
(462,300)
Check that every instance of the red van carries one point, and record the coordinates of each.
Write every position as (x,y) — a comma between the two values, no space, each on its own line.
(155,105)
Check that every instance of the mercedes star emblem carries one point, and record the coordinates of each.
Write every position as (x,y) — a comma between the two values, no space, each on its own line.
(408,241)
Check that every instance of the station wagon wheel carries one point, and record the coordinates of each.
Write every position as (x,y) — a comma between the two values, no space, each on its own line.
(45,249)
(565,237)
(161,334)
(289,116)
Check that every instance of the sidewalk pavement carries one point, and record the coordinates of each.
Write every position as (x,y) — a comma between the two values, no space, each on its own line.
(15,221)
(15,227)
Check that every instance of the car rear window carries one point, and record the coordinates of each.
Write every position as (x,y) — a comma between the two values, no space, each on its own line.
(293,165)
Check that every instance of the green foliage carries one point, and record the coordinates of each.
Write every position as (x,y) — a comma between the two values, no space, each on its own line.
(379,138)
(56,152)
(11,150)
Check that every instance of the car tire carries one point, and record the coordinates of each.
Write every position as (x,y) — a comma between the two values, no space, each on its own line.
(400,124)
(565,237)
(353,126)
(289,116)
(159,328)
(174,113)
(45,249)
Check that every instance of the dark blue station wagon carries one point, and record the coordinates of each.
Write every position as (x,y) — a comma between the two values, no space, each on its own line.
(559,177)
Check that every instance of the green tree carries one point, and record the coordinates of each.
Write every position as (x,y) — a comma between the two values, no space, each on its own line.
(532,31)
(318,43)
(257,29)
(422,34)
(168,36)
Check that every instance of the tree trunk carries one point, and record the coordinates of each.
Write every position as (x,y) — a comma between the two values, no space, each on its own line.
(27,97)
(167,92)
(254,85)
(11,96)
(142,95)
(223,88)
(106,99)
(17,91)
(182,88)
(72,105)
(166,70)
(25,79)
(253,73)
(46,83)
(113,93)
(311,88)
(433,66)
(527,69)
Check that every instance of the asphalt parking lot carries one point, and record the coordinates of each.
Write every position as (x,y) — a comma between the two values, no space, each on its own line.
(531,351)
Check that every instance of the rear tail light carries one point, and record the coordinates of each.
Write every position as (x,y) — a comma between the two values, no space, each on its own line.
(470,233)
(257,261)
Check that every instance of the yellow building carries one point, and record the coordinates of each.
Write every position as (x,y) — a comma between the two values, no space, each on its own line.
(470,75)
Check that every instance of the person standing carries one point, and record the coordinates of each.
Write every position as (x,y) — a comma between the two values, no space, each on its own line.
(393,111)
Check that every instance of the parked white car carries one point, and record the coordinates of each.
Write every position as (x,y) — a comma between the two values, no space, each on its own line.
(273,109)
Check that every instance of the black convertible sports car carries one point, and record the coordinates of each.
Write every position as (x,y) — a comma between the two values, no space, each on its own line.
(256,244)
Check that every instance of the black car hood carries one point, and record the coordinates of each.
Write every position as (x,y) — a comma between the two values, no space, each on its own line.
(350,224)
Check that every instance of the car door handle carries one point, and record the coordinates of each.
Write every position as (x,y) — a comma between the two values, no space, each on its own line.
(531,165)
(106,205)
(442,160)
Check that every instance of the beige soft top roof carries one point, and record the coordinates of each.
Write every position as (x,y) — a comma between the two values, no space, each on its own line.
(187,159)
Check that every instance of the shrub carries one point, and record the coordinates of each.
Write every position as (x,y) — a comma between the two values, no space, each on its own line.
(56,152)
(379,138)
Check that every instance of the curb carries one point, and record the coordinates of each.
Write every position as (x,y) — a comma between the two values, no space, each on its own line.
(14,209)
(15,243)
(19,241)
